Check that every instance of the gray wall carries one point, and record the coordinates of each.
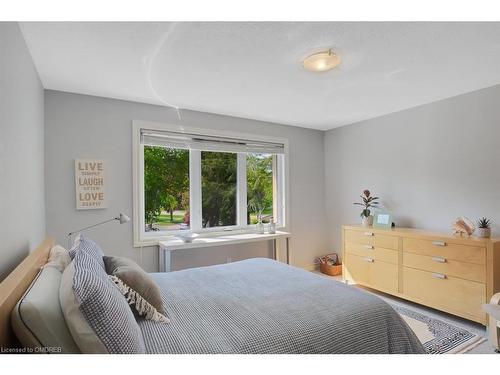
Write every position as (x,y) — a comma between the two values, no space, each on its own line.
(79,126)
(22,204)
(429,164)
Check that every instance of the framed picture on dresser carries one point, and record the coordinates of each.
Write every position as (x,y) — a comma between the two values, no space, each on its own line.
(382,220)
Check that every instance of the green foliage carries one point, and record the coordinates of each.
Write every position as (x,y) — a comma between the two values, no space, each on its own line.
(218,188)
(484,223)
(169,203)
(259,184)
(166,181)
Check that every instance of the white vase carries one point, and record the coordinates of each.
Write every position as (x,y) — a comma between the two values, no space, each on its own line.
(484,232)
(260,227)
(272,228)
(367,221)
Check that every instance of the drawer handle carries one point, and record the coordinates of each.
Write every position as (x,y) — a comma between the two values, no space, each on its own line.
(439,276)
(439,243)
(439,259)
(369,260)
(369,233)
(368,247)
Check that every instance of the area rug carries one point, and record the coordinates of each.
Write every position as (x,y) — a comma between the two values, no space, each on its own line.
(439,337)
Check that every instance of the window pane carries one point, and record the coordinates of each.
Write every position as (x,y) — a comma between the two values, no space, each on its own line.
(166,188)
(259,187)
(218,188)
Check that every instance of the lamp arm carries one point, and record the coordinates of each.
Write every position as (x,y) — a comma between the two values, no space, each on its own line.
(92,226)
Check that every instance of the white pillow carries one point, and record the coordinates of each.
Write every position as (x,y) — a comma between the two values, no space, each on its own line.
(58,258)
(37,319)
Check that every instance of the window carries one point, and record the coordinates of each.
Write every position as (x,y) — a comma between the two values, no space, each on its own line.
(192,180)
(166,188)
(218,189)
(259,188)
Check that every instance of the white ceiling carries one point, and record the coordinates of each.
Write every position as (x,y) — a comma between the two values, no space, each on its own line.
(253,70)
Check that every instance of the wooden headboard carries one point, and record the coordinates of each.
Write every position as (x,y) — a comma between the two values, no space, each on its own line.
(14,286)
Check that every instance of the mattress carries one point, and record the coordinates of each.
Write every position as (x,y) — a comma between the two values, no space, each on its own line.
(263,306)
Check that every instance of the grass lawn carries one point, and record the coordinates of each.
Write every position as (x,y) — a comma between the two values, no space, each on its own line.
(164,218)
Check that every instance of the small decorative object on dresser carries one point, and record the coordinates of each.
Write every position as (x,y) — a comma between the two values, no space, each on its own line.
(382,220)
(484,228)
(329,264)
(463,225)
(368,202)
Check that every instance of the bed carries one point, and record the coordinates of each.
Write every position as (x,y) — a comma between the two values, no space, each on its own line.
(263,306)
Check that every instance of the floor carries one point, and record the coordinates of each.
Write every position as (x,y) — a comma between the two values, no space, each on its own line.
(483,348)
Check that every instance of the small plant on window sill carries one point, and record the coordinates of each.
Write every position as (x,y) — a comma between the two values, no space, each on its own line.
(259,210)
(257,206)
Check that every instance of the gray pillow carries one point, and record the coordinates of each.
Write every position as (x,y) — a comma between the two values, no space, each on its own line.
(96,312)
(136,278)
(38,320)
(138,304)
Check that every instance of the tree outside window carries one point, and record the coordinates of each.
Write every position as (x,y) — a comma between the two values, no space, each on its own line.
(218,184)
(166,188)
(259,188)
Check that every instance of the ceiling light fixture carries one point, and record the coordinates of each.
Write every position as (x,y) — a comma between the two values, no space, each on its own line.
(321,61)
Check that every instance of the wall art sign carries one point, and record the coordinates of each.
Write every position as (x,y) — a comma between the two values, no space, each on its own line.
(90,182)
(383,220)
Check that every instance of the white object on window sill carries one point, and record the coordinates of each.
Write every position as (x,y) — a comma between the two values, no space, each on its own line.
(187,237)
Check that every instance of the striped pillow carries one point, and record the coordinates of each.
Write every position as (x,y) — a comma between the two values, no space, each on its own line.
(95,310)
(84,244)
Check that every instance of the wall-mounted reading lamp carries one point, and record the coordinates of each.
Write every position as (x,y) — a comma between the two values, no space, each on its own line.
(122,218)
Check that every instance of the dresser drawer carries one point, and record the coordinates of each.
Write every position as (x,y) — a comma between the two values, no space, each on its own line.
(377,253)
(450,267)
(371,272)
(456,295)
(367,237)
(462,253)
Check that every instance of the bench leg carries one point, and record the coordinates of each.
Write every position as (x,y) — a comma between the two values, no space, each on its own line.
(494,331)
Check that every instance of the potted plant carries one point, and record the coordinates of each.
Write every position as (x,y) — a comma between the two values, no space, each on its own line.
(257,206)
(368,202)
(484,227)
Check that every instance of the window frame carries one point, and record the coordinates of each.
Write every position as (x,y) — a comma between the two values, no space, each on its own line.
(281,206)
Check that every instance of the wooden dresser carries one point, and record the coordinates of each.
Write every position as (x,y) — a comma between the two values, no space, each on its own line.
(449,273)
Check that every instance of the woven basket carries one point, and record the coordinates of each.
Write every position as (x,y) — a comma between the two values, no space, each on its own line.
(335,270)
